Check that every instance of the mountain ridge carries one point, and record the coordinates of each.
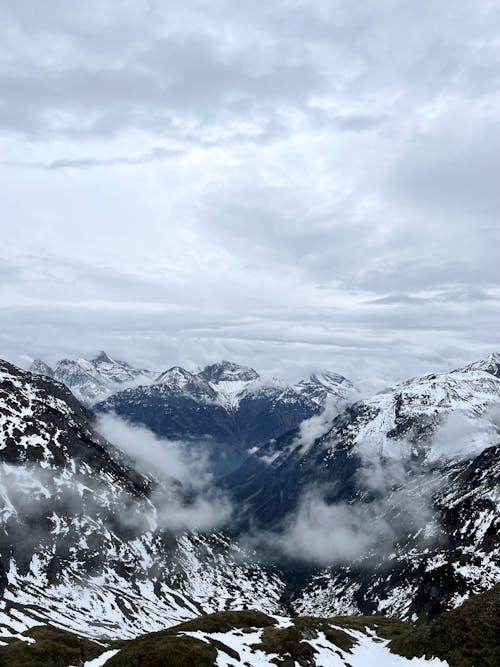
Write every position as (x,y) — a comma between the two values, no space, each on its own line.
(225,409)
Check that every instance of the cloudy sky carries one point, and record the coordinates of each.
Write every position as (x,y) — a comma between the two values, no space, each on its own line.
(291,184)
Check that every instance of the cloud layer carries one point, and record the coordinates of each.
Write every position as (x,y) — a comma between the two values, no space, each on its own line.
(300,186)
(186,498)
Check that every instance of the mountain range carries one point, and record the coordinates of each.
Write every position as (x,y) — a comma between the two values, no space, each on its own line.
(225,409)
(386,506)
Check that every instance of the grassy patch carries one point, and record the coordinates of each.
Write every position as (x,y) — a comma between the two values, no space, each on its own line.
(291,643)
(165,650)
(287,643)
(223,621)
(172,647)
(52,648)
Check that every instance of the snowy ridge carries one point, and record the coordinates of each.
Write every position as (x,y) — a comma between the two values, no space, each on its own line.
(228,384)
(321,386)
(411,413)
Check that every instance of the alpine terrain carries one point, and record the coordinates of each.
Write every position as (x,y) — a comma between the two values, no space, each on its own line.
(367,535)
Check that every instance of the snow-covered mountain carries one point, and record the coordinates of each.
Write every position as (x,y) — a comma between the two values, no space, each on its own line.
(444,548)
(226,407)
(94,379)
(436,418)
(227,384)
(82,540)
(395,500)
(391,507)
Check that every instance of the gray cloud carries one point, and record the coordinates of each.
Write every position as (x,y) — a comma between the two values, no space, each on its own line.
(187,499)
(296,186)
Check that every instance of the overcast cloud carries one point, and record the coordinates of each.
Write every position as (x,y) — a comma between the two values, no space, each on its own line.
(292,185)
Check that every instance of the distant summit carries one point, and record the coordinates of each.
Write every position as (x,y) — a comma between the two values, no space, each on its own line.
(94,379)
(227,371)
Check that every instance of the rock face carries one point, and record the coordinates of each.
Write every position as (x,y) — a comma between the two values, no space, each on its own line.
(226,408)
(92,380)
(81,541)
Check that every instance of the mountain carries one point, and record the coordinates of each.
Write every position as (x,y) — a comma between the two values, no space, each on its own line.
(83,539)
(94,379)
(392,506)
(389,508)
(226,408)
(438,417)
(433,562)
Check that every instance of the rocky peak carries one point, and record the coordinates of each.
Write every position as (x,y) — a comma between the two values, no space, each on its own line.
(41,368)
(227,371)
(323,385)
(103,357)
(490,364)
(179,379)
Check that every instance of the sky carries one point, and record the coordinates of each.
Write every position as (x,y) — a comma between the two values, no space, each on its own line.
(292,185)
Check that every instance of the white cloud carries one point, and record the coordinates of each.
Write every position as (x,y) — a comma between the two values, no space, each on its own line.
(186,498)
(188,183)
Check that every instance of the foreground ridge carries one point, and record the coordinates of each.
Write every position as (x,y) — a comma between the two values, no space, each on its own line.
(465,637)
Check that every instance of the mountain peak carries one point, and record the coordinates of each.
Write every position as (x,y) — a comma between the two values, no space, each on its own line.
(103,357)
(324,385)
(94,379)
(490,364)
(175,375)
(41,368)
(228,371)
(328,378)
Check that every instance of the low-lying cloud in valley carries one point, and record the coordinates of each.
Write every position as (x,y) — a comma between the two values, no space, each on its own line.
(186,497)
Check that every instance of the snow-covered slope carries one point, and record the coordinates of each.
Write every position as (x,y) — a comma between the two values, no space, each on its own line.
(82,545)
(94,379)
(445,548)
(227,407)
(436,418)
(397,498)
(230,382)
(325,386)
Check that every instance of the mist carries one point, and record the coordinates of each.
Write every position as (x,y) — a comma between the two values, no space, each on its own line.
(185,497)
(393,499)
